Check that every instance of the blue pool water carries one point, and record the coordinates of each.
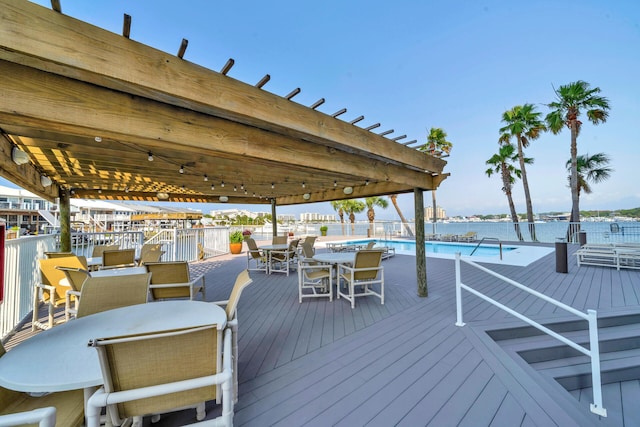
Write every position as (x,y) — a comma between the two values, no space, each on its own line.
(485,250)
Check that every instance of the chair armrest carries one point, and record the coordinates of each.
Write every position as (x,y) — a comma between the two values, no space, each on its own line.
(225,302)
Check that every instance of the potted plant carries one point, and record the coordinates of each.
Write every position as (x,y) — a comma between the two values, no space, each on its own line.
(246,233)
(235,242)
(323,230)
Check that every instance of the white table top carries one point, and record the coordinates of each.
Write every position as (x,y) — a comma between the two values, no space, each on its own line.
(336,257)
(278,247)
(122,271)
(59,359)
(94,261)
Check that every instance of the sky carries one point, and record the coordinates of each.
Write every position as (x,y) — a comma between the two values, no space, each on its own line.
(413,65)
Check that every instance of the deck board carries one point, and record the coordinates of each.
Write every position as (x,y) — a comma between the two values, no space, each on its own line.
(319,363)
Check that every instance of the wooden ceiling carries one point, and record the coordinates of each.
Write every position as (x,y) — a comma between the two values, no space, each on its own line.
(91,107)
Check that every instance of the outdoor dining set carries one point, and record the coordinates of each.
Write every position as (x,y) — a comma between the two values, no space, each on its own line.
(134,342)
(357,272)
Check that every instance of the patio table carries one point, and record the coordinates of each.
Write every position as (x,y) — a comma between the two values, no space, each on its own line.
(59,359)
(122,271)
(276,247)
(335,258)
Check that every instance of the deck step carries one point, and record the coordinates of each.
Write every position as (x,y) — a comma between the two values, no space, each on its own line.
(619,340)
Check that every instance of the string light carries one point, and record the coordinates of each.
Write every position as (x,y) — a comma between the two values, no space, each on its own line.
(213,187)
(273,186)
(150,158)
(181,169)
(366,182)
(206,178)
(222,184)
(335,183)
(303,185)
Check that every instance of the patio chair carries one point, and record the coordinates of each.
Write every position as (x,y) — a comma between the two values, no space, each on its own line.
(192,364)
(75,278)
(256,256)
(280,261)
(315,280)
(118,258)
(306,251)
(150,252)
(279,240)
(17,408)
(172,279)
(310,240)
(107,293)
(231,305)
(365,272)
(53,287)
(99,249)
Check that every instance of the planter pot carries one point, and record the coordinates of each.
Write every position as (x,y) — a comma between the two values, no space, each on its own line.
(323,232)
(235,248)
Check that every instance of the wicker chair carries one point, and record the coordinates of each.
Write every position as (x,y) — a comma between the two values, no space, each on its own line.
(366,271)
(189,372)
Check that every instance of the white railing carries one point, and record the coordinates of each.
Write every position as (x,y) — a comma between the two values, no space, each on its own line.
(593,352)
(21,271)
(20,275)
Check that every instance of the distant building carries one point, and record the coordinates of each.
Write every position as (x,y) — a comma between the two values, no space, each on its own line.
(440,213)
(317,217)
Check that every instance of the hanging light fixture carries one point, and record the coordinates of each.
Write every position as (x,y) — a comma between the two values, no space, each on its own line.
(223,199)
(45,181)
(348,190)
(18,156)
(162,195)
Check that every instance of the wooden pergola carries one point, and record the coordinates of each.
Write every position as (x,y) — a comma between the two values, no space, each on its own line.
(101,116)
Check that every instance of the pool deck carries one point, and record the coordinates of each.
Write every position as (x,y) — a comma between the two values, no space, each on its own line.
(405,363)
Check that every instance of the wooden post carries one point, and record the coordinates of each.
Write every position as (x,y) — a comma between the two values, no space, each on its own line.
(65,220)
(421,259)
(274,220)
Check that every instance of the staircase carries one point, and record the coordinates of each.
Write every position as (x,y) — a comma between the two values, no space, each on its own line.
(619,338)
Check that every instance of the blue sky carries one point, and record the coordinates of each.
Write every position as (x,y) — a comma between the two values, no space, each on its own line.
(413,65)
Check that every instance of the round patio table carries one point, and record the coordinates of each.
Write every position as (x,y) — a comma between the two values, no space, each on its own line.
(59,358)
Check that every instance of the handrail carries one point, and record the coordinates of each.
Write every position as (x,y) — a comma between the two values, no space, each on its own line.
(591,317)
(488,238)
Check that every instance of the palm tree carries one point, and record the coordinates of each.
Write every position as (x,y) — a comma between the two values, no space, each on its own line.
(590,168)
(437,146)
(523,123)
(352,207)
(502,163)
(572,99)
(337,206)
(370,203)
(403,220)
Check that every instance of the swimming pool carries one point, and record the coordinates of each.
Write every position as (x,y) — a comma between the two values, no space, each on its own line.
(486,253)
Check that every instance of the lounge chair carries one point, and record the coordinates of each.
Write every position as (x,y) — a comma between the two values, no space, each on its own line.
(469,236)
(449,238)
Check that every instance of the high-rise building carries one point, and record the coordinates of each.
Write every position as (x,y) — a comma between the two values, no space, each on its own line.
(428,213)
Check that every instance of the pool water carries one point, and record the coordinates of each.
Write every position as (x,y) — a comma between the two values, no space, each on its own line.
(484,250)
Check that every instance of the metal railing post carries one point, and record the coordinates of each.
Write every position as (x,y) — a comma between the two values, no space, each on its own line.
(459,321)
(596,382)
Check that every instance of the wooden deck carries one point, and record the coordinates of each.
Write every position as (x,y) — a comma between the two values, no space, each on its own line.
(405,363)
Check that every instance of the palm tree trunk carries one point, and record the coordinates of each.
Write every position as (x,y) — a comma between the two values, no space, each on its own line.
(405,224)
(527,194)
(514,217)
(575,196)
